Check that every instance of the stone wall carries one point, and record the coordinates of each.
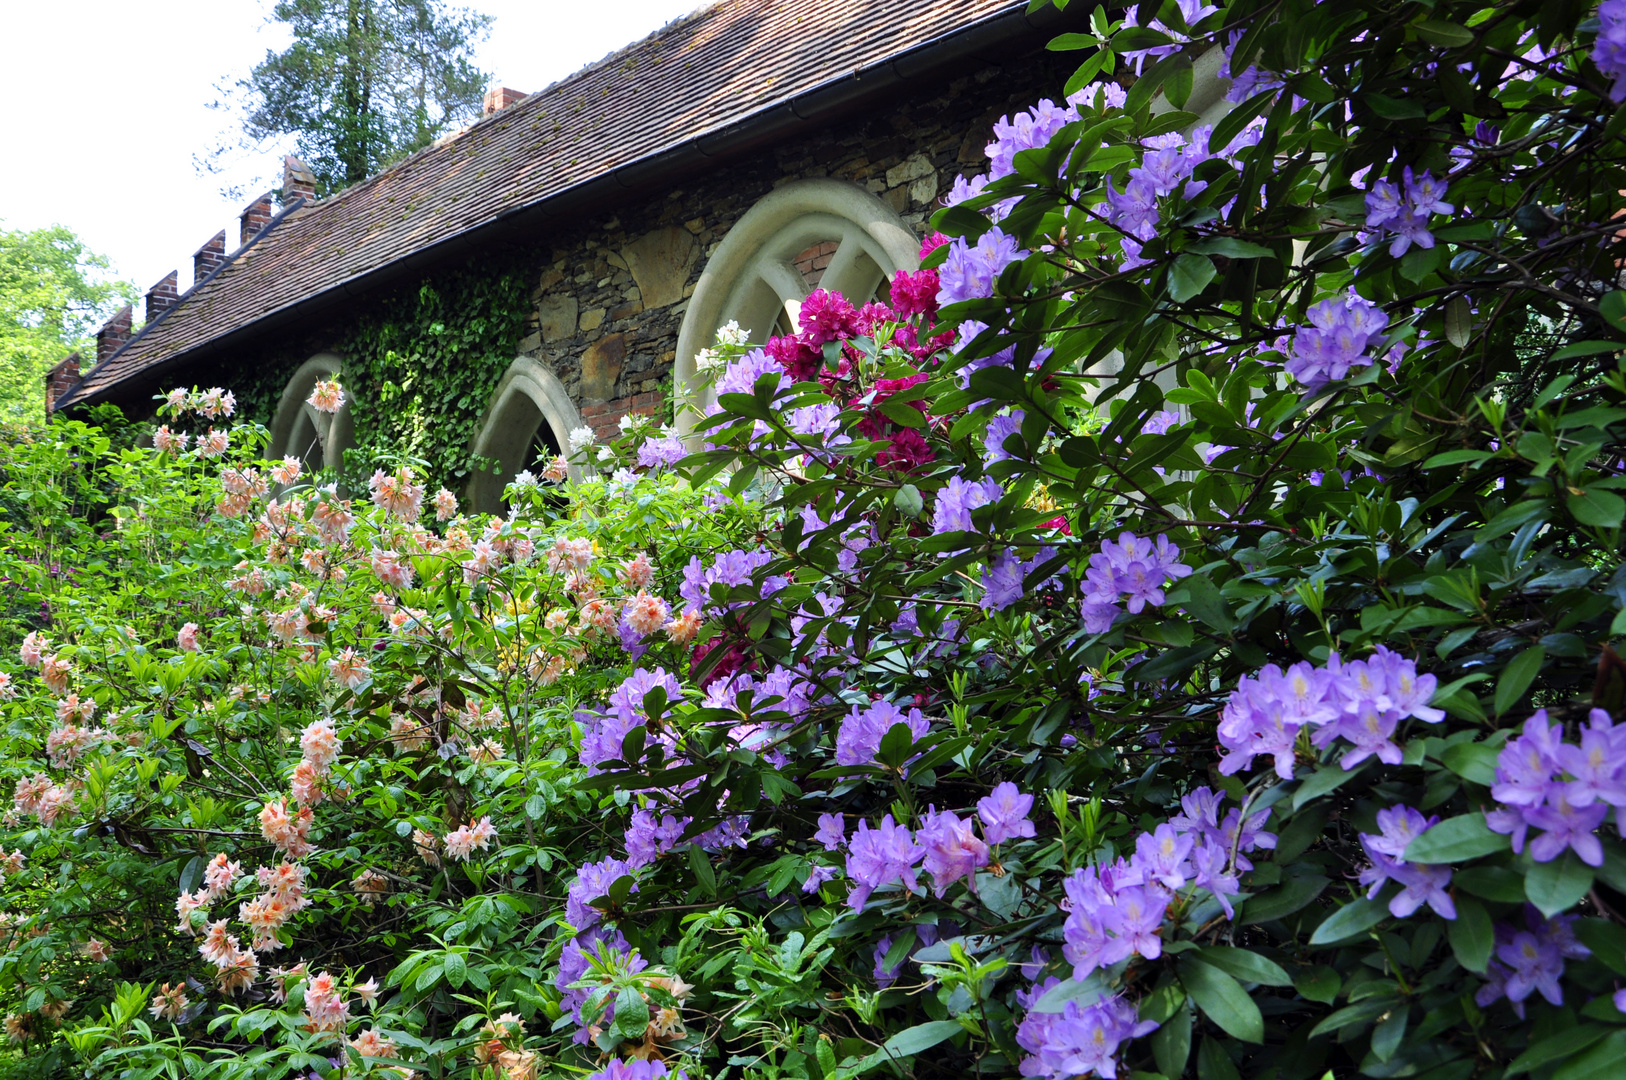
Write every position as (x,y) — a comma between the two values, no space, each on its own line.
(610,299)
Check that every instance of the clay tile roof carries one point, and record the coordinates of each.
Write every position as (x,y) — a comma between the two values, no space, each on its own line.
(724,64)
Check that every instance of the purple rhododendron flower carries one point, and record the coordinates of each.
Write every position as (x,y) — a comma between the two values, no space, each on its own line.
(1024,131)
(649,837)
(832,832)
(1335,341)
(881,856)
(1081,1040)
(1004,814)
(958,498)
(970,270)
(1420,883)
(1531,959)
(1568,813)
(952,849)
(636,1069)
(592,881)
(862,730)
(662,450)
(573,967)
(1361,702)
(1609,50)
(1133,566)
(1001,428)
(1002,582)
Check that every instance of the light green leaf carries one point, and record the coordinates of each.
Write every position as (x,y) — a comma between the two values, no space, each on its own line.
(1171,1045)
(1459,321)
(1318,983)
(1472,761)
(1456,840)
(1245,965)
(1447,35)
(1602,1062)
(1222,1000)
(1471,934)
(1321,782)
(1516,678)
(1598,508)
(1557,885)
(1355,917)
(911,1041)
(1188,276)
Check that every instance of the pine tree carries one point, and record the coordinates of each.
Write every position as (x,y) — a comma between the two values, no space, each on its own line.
(365,82)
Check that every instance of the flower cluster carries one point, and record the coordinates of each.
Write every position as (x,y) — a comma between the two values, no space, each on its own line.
(1131,570)
(1361,702)
(732,568)
(1609,50)
(1405,211)
(1532,795)
(1081,1040)
(1117,911)
(1531,959)
(859,737)
(958,498)
(327,396)
(463,841)
(1419,883)
(604,733)
(1336,340)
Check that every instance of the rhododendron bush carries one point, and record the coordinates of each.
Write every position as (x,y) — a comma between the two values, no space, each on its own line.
(1171,634)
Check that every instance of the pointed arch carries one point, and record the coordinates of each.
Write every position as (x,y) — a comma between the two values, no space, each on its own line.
(755,276)
(530,413)
(297,430)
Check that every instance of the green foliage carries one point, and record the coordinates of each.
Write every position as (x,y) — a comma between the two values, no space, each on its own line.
(54,295)
(424,366)
(863,740)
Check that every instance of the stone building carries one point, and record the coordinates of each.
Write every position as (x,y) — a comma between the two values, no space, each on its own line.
(717,170)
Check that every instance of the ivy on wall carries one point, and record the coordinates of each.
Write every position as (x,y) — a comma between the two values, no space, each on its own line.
(421,367)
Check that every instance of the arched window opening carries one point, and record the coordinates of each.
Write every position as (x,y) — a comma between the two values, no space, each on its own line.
(298,430)
(529,422)
(808,234)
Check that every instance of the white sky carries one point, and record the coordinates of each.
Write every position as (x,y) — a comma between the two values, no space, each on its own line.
(103,105)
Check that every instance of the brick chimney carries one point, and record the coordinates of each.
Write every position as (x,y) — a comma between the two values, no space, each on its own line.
(114,333)
(209,256)
(255,217)
(499,98)
(162,296)
(59,380)
(297,181)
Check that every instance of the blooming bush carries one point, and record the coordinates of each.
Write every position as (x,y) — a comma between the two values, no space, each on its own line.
(1169,635)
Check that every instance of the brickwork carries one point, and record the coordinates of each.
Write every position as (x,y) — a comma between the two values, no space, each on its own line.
(297,181)
(256,216)
(209,256)
(114,332)
(605,417)
(162,296)
(60,379)
(499,98)
(813,262)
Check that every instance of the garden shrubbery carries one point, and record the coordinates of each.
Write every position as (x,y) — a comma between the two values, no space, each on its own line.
(1173,634)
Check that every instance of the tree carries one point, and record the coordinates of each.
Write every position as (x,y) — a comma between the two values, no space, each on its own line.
(365,82)
(53,295)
